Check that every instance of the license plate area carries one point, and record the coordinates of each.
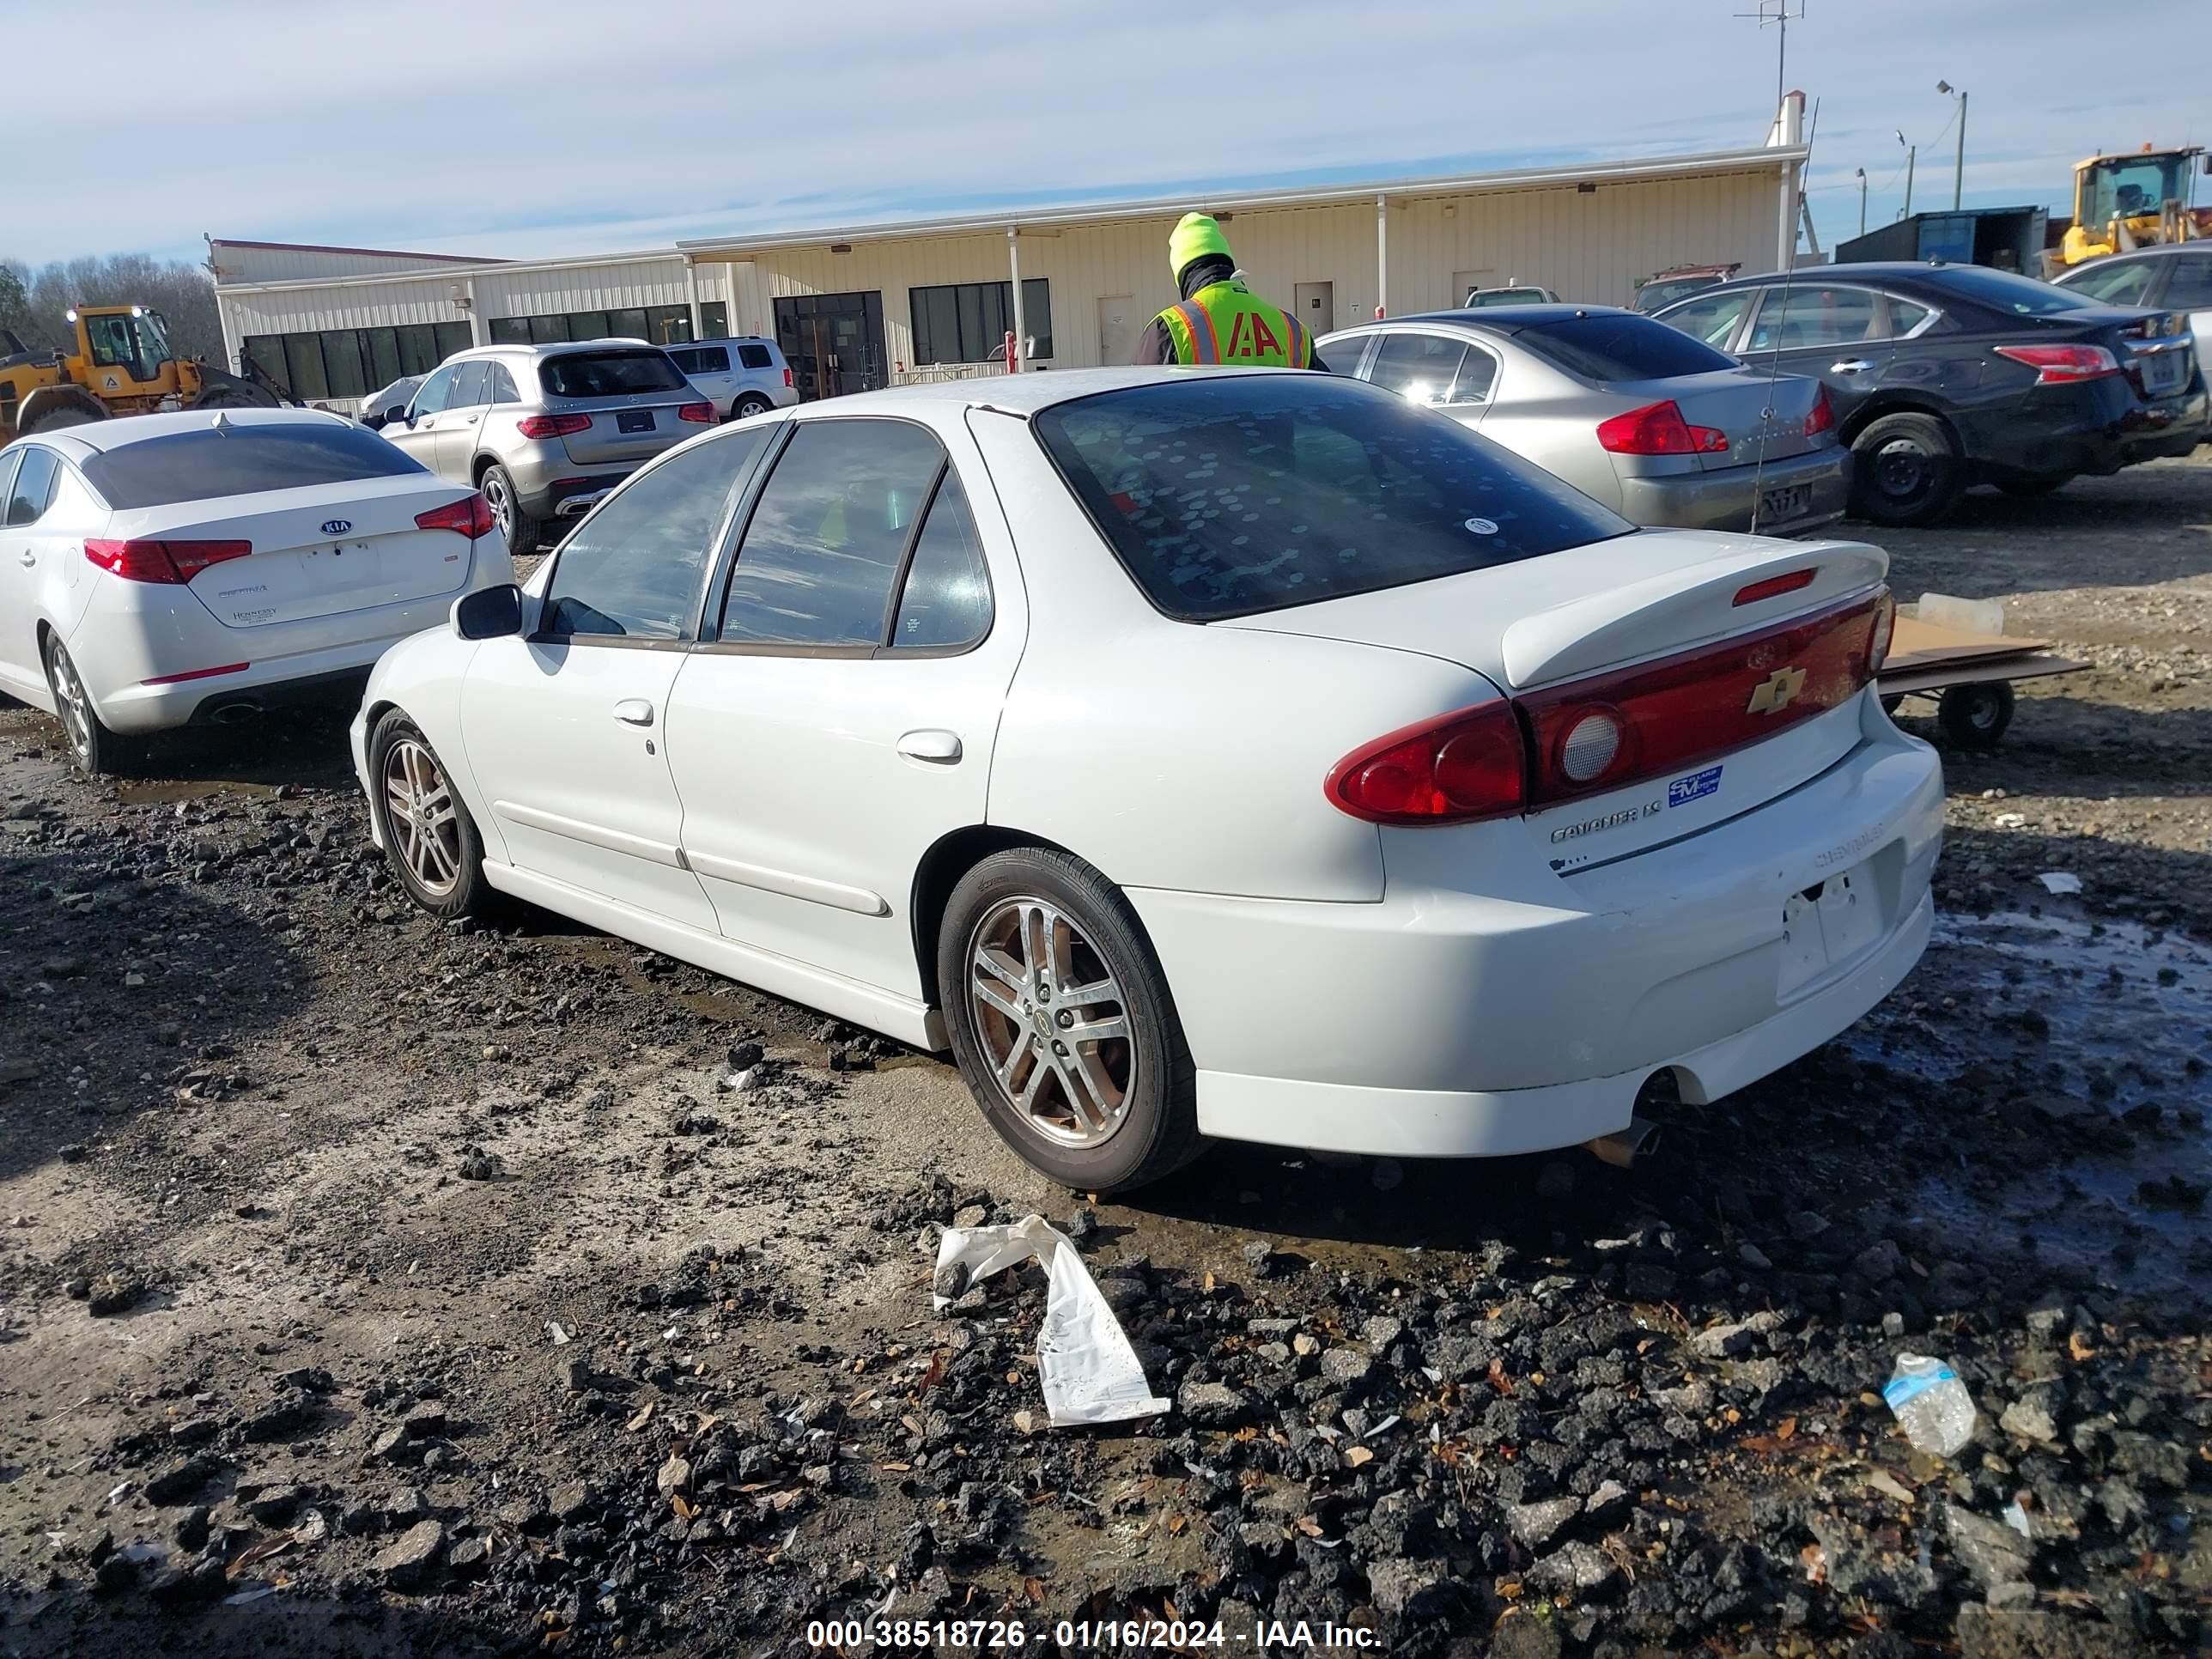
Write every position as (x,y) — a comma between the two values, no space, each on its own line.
(2162,370)
(634,420)
(1829,925)
(1788,501)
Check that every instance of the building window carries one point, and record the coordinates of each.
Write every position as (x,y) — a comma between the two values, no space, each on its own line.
(658,324)
(629,325)
(967,322)
(510,330)
(714,319)
(451,337)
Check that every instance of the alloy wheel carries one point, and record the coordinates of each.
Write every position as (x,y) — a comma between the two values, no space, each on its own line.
(73,702)
(1052,1022)
(502,505)
(425,831)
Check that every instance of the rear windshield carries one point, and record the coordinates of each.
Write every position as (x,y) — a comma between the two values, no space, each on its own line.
(754,357)
(609,373)
(2001,290)
(1607,347)
(1229,496)
(241,460)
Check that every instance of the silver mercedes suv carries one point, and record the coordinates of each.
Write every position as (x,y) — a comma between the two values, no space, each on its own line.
(546,430)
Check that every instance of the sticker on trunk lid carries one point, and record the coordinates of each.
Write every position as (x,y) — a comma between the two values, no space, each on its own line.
(1682,791)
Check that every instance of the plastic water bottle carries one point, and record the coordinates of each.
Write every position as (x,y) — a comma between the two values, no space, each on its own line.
(1931,1404)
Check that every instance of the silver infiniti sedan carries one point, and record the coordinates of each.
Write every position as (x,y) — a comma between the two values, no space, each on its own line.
(1659,427)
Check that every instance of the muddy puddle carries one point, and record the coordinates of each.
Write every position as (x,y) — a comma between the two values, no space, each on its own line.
(2107,1022)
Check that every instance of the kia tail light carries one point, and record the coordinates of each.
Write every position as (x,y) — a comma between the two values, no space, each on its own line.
(471,516)
(170,562)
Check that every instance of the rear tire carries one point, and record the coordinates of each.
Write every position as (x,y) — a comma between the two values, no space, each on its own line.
(1907,471)
(1975,716)
(430,841)
(96,749)
(59,406)
(522,532)
(1066,953)
(751,403)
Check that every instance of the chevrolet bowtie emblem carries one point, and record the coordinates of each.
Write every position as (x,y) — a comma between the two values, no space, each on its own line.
(1775,692)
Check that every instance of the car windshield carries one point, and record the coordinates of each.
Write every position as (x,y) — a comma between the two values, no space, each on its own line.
(1230,495)
(1508,296)
(240,460)
(1608,346)
(2001,290)
(609,373)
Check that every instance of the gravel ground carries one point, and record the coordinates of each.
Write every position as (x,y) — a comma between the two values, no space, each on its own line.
(367,1285)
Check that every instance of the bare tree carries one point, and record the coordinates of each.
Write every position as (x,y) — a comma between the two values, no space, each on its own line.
(182,292)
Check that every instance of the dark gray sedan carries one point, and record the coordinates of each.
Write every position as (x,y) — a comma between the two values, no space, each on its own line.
(1659,427)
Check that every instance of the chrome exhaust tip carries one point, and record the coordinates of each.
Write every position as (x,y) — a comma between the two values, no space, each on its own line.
(1622,1148)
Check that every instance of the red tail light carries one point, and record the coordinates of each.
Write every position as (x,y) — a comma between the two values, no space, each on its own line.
(1684,709)
(1455,769)
(1823,417)
(1659,429)
(1788,583)
(787,377)
(470,516)
(701,413)
(173,562)
(2060,365)
(552,426)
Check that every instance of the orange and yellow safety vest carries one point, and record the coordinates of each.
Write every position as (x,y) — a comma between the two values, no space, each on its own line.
(1227,323)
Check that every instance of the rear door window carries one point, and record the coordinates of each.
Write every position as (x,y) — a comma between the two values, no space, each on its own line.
(503,389)
(2117,282)
(823,550)
(1478,377)
(1607,347)
(1421,367)
(1229,496)
(33,486)
(947,601)
(632,570)
(710,360)
(755,356)
(241,460)
(609,373)
(2190,288)
(1796,315)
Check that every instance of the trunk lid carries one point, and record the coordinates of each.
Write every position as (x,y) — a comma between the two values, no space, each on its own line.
(302,566)
(1738,402)
(1630,608)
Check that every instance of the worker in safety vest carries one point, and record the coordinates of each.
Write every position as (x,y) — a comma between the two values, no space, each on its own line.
(1219,320)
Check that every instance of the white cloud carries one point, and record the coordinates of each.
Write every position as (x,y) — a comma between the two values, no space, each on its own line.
(568,127)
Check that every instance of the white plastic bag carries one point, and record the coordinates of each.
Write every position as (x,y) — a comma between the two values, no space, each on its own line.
(1088,1371)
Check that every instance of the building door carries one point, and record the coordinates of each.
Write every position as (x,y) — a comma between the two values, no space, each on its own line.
(834,342)
(1117,328)
(1316,306)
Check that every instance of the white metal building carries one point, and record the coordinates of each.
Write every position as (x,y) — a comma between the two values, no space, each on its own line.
(869,305)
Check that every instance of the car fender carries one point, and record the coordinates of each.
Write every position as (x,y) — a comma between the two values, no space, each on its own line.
(422,676)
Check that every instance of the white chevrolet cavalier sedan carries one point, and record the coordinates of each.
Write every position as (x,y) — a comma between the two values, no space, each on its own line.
(1195,753)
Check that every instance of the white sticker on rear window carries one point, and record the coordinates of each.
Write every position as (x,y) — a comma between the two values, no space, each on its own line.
(1483,526)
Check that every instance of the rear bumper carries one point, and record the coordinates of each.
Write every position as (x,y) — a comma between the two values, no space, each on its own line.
(1725,499)
(1440,1024)
(546,480)
(2097,427)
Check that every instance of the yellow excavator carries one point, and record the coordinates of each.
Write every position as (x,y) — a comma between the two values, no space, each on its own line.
(2131,201)
(123,364)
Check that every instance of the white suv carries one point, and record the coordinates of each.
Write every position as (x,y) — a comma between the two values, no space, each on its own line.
(743,377)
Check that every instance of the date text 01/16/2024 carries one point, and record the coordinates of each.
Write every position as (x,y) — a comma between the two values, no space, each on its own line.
(1272,1635)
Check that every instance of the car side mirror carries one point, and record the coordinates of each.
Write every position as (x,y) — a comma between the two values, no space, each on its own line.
(397,412)
(489,613)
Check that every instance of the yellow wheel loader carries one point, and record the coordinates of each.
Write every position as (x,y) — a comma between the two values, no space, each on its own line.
(2126,202)
(123,364)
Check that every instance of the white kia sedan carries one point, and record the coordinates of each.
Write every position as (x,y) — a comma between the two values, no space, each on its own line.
(1196,754)
(171,569)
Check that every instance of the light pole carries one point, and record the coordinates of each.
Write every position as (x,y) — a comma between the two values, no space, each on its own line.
(1911,156)
(1959,165)
(1861,174)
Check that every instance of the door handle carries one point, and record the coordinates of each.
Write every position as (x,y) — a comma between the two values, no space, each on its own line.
(29,558)
(634,711)
(473,419)
(1850,366)
(942,748)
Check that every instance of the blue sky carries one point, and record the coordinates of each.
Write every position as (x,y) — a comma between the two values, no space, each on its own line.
(571,126)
